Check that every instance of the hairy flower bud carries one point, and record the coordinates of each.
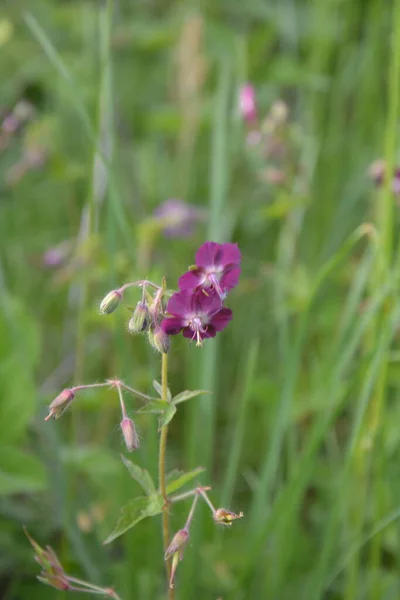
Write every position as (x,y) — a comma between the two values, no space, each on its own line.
(175,549)
(225,517)
(60,404)
(159,340)
(140,318)
(178,543)
(130,434)
(110,302)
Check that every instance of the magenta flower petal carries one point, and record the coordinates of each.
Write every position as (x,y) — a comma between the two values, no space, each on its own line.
(180,304)
(207,303)
(230,278)
(208,254)
(173,325)
(191,279)
(221,319)
(230,254)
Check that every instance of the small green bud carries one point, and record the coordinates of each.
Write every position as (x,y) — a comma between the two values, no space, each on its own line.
(150,335)
(130,434)
(159,340)
(225,517)
(110,302)
(60,404)
(140,318)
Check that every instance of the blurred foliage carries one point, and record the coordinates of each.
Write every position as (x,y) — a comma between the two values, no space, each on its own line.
(110,108)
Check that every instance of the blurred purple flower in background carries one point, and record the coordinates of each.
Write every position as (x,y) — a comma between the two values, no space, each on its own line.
(178,218)
(377,172)
(217,267)
(247,103)
(197,315)
(56,256)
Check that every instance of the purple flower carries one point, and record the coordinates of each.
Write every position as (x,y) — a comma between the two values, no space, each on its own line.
(247,103)
(57,255)
(178,218)
(396,182)
(217,267)
(197,315)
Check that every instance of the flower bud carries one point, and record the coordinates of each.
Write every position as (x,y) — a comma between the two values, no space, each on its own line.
(60,404)
(130,434)
(178,543)
(110,302)
(225,517)
(175,549)
(139,319)
(60,582)
(159,340)
(52,571)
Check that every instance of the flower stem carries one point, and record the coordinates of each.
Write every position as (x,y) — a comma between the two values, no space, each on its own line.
(161,469)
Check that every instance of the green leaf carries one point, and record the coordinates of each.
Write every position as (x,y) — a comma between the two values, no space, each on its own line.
(19,353)
(156,406)
(20,472)
(158,389)
(182,479)
(140,475)
(187,395)
(136,510)
(167,415)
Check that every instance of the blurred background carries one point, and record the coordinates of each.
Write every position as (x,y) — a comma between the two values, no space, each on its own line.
(128,139)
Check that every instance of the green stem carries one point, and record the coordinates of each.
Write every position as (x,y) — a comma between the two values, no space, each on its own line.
(161,469)
(369,455)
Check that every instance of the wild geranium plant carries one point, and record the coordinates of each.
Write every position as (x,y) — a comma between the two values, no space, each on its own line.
(197,311)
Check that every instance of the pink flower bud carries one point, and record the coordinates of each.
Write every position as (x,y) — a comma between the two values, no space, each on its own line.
(178,543)
(175,549)
(130,434)
(247,103)
(60,404)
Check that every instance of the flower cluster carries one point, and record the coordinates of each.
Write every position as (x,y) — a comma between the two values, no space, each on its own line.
(221,516)
(54,575)
(197,309)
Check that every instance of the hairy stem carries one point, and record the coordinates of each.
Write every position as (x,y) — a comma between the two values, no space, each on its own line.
(161,468)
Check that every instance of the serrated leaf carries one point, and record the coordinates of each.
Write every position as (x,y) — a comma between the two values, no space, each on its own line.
(135,511)
(140,475)
(187,395)
(20,472)
(182,479)
(158,389)
(167,415)
(156,407)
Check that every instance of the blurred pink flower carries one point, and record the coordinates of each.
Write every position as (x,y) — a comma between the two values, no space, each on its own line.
(178,218)
(247,103)
(56,255)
